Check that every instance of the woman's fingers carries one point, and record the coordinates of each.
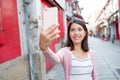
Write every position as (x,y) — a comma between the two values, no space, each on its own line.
(47,36)
(54,35)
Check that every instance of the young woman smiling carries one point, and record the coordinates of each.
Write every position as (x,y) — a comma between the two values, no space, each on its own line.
(76,57)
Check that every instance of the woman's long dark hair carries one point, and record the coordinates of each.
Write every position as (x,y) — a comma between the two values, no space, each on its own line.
(84,44)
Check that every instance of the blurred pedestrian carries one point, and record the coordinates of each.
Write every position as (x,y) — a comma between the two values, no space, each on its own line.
(76,57)
(113,38)
(103,36)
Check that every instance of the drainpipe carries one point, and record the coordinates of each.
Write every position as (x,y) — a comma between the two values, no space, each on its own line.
(26,17)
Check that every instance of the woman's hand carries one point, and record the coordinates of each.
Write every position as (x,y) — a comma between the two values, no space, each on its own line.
(47,36)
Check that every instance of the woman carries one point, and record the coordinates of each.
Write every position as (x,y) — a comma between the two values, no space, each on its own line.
(77,60)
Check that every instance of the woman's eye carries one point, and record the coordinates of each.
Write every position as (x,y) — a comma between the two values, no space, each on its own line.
(80,29)
(72,29)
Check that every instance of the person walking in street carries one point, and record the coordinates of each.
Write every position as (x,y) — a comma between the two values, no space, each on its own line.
(77,59)
(113,38)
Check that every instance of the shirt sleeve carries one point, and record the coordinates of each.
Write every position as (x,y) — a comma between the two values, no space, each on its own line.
(53,57)
(94,73)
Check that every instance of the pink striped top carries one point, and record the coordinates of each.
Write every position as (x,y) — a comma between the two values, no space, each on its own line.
(64,55)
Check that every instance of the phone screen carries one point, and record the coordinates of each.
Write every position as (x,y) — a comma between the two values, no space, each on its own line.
(50,17)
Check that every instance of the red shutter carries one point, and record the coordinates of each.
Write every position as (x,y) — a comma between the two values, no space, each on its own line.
(1,27)
(60,19)
(10,34)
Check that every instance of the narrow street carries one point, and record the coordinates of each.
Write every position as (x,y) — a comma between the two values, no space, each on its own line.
(107,57)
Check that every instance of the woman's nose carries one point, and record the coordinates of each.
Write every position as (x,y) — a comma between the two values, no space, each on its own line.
(76,32)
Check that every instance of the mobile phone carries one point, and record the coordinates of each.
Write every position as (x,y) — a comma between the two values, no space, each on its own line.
(50,17)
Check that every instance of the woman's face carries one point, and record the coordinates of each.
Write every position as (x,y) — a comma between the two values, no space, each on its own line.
(77,33)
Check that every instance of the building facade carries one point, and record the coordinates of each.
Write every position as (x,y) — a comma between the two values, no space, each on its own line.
(21,22)
(108,22)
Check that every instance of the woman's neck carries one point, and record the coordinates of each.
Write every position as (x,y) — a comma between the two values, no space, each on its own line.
(77,47)
(78,50)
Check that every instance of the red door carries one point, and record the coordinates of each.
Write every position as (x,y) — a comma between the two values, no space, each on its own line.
(1,27)
(61,26)
(117,30)
(9,31)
